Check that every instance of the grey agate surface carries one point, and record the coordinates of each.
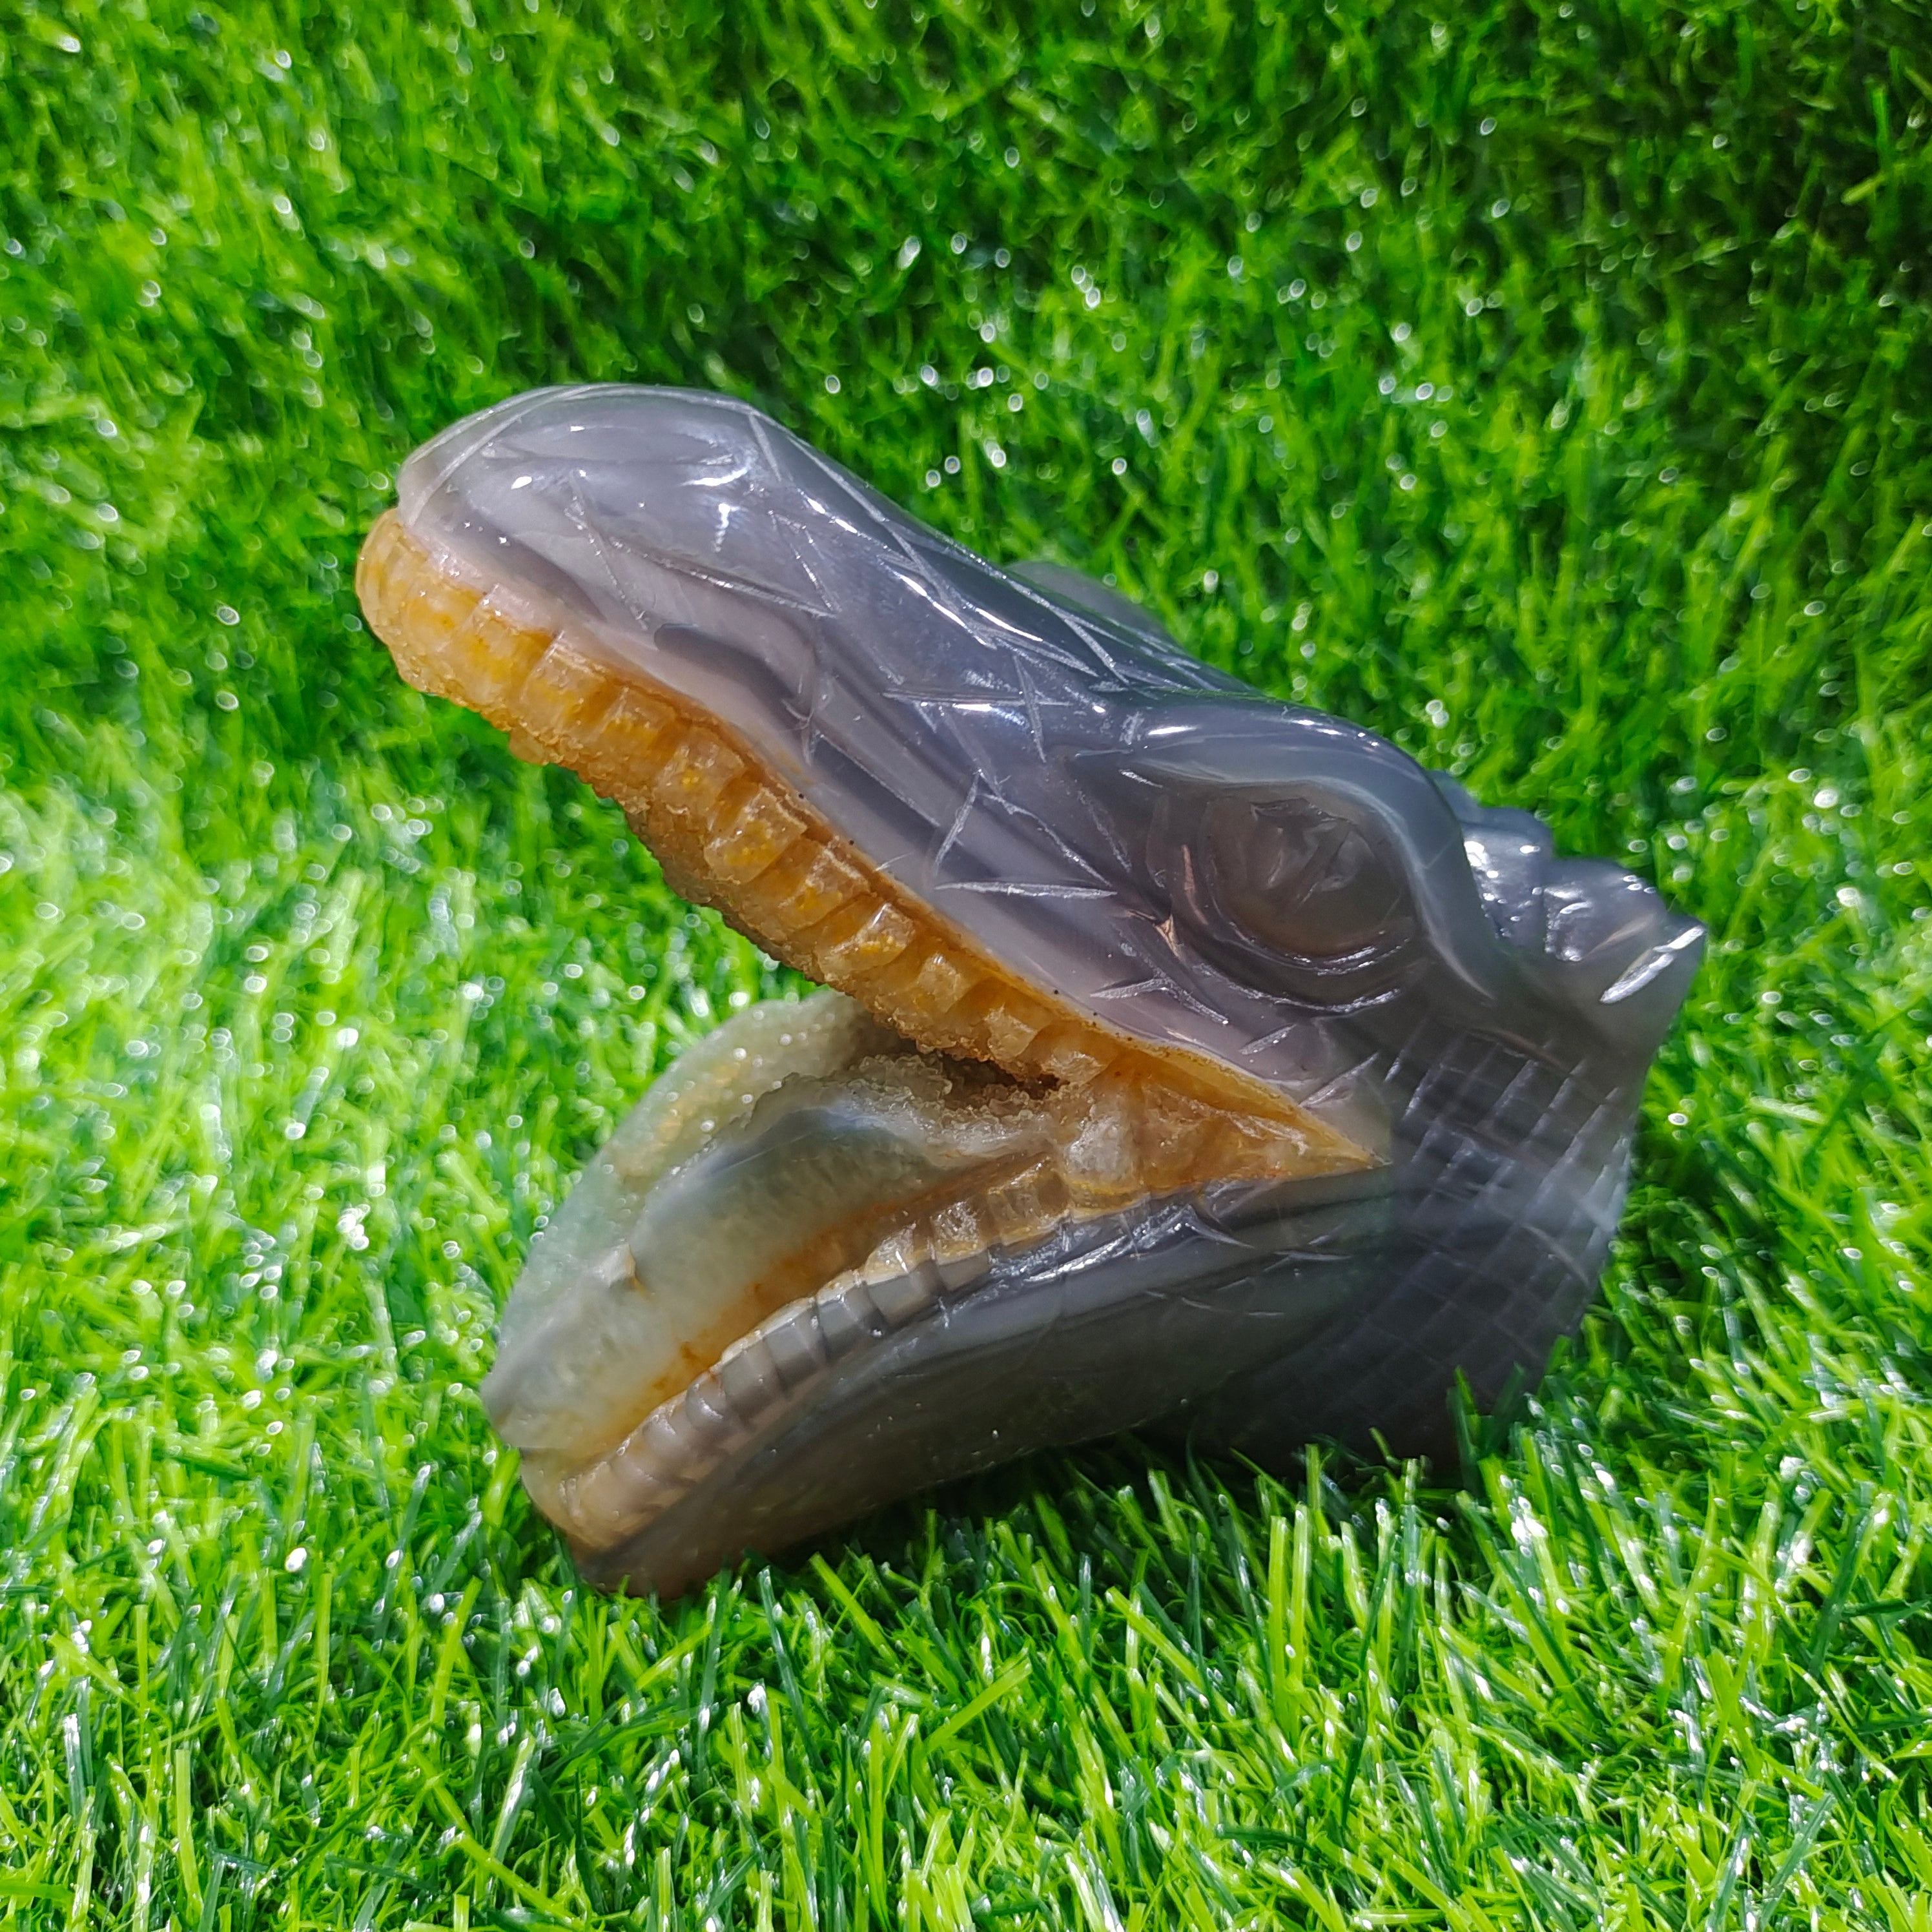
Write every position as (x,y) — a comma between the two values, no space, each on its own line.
(1164,851)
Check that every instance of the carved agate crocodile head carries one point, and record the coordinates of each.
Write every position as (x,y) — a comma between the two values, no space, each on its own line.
(1195,1060)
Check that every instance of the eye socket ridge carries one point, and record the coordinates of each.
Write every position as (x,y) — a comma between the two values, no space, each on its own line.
(1307,858)
(1284,893)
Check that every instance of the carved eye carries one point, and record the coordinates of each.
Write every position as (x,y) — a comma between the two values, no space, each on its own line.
(1307,884)
(1309,892)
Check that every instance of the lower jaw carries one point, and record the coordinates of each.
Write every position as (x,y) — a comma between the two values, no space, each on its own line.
(601,1504)
(1020,1174)
(1112,1325)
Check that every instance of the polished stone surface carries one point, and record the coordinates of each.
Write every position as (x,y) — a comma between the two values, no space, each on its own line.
(1162,850)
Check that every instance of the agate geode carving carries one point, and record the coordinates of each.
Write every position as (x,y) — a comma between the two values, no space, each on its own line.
(1192,1061)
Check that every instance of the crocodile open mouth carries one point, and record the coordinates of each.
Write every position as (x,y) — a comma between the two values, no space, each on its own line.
(1135,977)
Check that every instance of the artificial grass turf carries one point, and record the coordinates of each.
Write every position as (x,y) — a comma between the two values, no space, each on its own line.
(1542,385)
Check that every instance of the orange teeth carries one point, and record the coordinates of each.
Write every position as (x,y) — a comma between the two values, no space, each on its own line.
(731,832)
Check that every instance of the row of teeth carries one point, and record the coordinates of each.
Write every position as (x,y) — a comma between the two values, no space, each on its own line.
(723,833)
(675,1448)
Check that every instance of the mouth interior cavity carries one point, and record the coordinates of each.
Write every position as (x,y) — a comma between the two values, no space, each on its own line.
(945,1108)
(800,1142)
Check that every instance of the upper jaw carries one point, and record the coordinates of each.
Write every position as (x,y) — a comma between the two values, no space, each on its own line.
(977,737)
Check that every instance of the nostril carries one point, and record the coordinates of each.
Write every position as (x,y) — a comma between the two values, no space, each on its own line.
(1597,915)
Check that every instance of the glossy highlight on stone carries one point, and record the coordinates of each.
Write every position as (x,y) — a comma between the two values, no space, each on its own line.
(1195,1062)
